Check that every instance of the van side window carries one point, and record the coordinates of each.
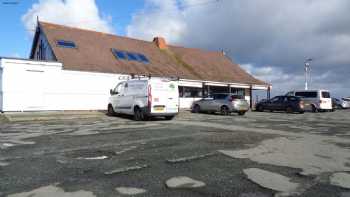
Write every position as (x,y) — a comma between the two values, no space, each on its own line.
(306,94)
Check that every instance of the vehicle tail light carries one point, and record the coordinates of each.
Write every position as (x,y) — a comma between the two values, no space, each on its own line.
(149,98)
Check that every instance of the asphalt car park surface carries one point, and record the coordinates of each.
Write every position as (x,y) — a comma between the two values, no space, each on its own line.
(256,155)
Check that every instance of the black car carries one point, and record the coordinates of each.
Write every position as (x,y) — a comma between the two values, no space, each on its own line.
(282,103)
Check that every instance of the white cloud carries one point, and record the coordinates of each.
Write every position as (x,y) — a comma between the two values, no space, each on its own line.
(283,82)
(269,32)
(159,18)
(76,13)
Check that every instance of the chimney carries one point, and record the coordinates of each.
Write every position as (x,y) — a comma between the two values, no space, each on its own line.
(160,42)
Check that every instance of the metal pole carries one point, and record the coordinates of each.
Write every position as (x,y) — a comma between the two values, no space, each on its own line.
(306,77)
(251,96)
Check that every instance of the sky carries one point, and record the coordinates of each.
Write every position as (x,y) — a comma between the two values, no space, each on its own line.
(270,39)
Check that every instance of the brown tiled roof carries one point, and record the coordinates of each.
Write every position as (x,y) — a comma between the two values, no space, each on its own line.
(93,53)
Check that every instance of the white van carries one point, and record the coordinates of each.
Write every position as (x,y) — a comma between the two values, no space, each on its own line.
(315,100)
(145,97)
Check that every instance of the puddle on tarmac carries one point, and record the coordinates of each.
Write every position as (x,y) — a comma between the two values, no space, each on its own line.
(303,153)
(183,182)
(271,180)
(340,179)
(131,191)
(53,191)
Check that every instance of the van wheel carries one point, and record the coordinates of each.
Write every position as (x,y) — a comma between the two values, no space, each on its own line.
(314,109)
(169,117)
(196,109)
(138,114)
(241,113)
(110,110)
(224,110)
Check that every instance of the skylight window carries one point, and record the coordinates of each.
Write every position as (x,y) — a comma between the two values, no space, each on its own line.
(66,44)
(142,58)
(119,54)
(132,56)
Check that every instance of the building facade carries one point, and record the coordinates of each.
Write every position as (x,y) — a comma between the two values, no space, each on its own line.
(73,69)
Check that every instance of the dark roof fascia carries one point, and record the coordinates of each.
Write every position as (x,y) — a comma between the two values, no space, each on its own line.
(35,40)
(40,30)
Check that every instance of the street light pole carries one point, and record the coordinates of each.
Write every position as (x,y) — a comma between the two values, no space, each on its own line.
(307,72)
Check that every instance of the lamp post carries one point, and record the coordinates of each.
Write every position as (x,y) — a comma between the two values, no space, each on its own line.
(307,72)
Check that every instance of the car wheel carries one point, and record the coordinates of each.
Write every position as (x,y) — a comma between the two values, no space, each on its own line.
(301,112)
(224,110)
(289,110)
(260,108)
(196,109)
(110,110)
(169,117)
(241,113)
(138,114)
(314,109)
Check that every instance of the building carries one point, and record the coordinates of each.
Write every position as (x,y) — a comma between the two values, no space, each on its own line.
(73,69)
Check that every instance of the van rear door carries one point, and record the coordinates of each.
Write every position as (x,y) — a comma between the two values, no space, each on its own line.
(325,100)
(164,96)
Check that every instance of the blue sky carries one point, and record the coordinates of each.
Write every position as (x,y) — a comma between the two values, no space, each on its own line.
(15,40)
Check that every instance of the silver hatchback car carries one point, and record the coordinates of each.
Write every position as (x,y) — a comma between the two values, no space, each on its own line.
(224,103)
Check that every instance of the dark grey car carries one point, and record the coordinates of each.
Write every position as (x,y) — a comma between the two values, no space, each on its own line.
(223,103)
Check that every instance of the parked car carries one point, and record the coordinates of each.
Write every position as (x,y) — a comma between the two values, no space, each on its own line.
(346,103)
(336,104)
(282,103)
(225,103)
(343,103)
(145,98)
(314,100)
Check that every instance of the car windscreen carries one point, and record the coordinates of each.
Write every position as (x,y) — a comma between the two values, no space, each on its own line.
(326,95)
(306,94)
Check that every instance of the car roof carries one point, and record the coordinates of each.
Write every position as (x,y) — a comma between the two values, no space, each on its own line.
(322,90)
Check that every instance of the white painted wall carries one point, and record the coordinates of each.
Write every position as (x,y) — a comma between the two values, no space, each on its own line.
(186,103)
(34,86)
(27,85)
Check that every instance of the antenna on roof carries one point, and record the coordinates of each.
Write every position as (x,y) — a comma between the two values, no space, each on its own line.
(223,52)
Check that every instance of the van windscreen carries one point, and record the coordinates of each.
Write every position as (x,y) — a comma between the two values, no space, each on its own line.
(326,95)
(306,94)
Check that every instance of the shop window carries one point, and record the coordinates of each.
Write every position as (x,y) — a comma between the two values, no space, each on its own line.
(190,92)
(238,91)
